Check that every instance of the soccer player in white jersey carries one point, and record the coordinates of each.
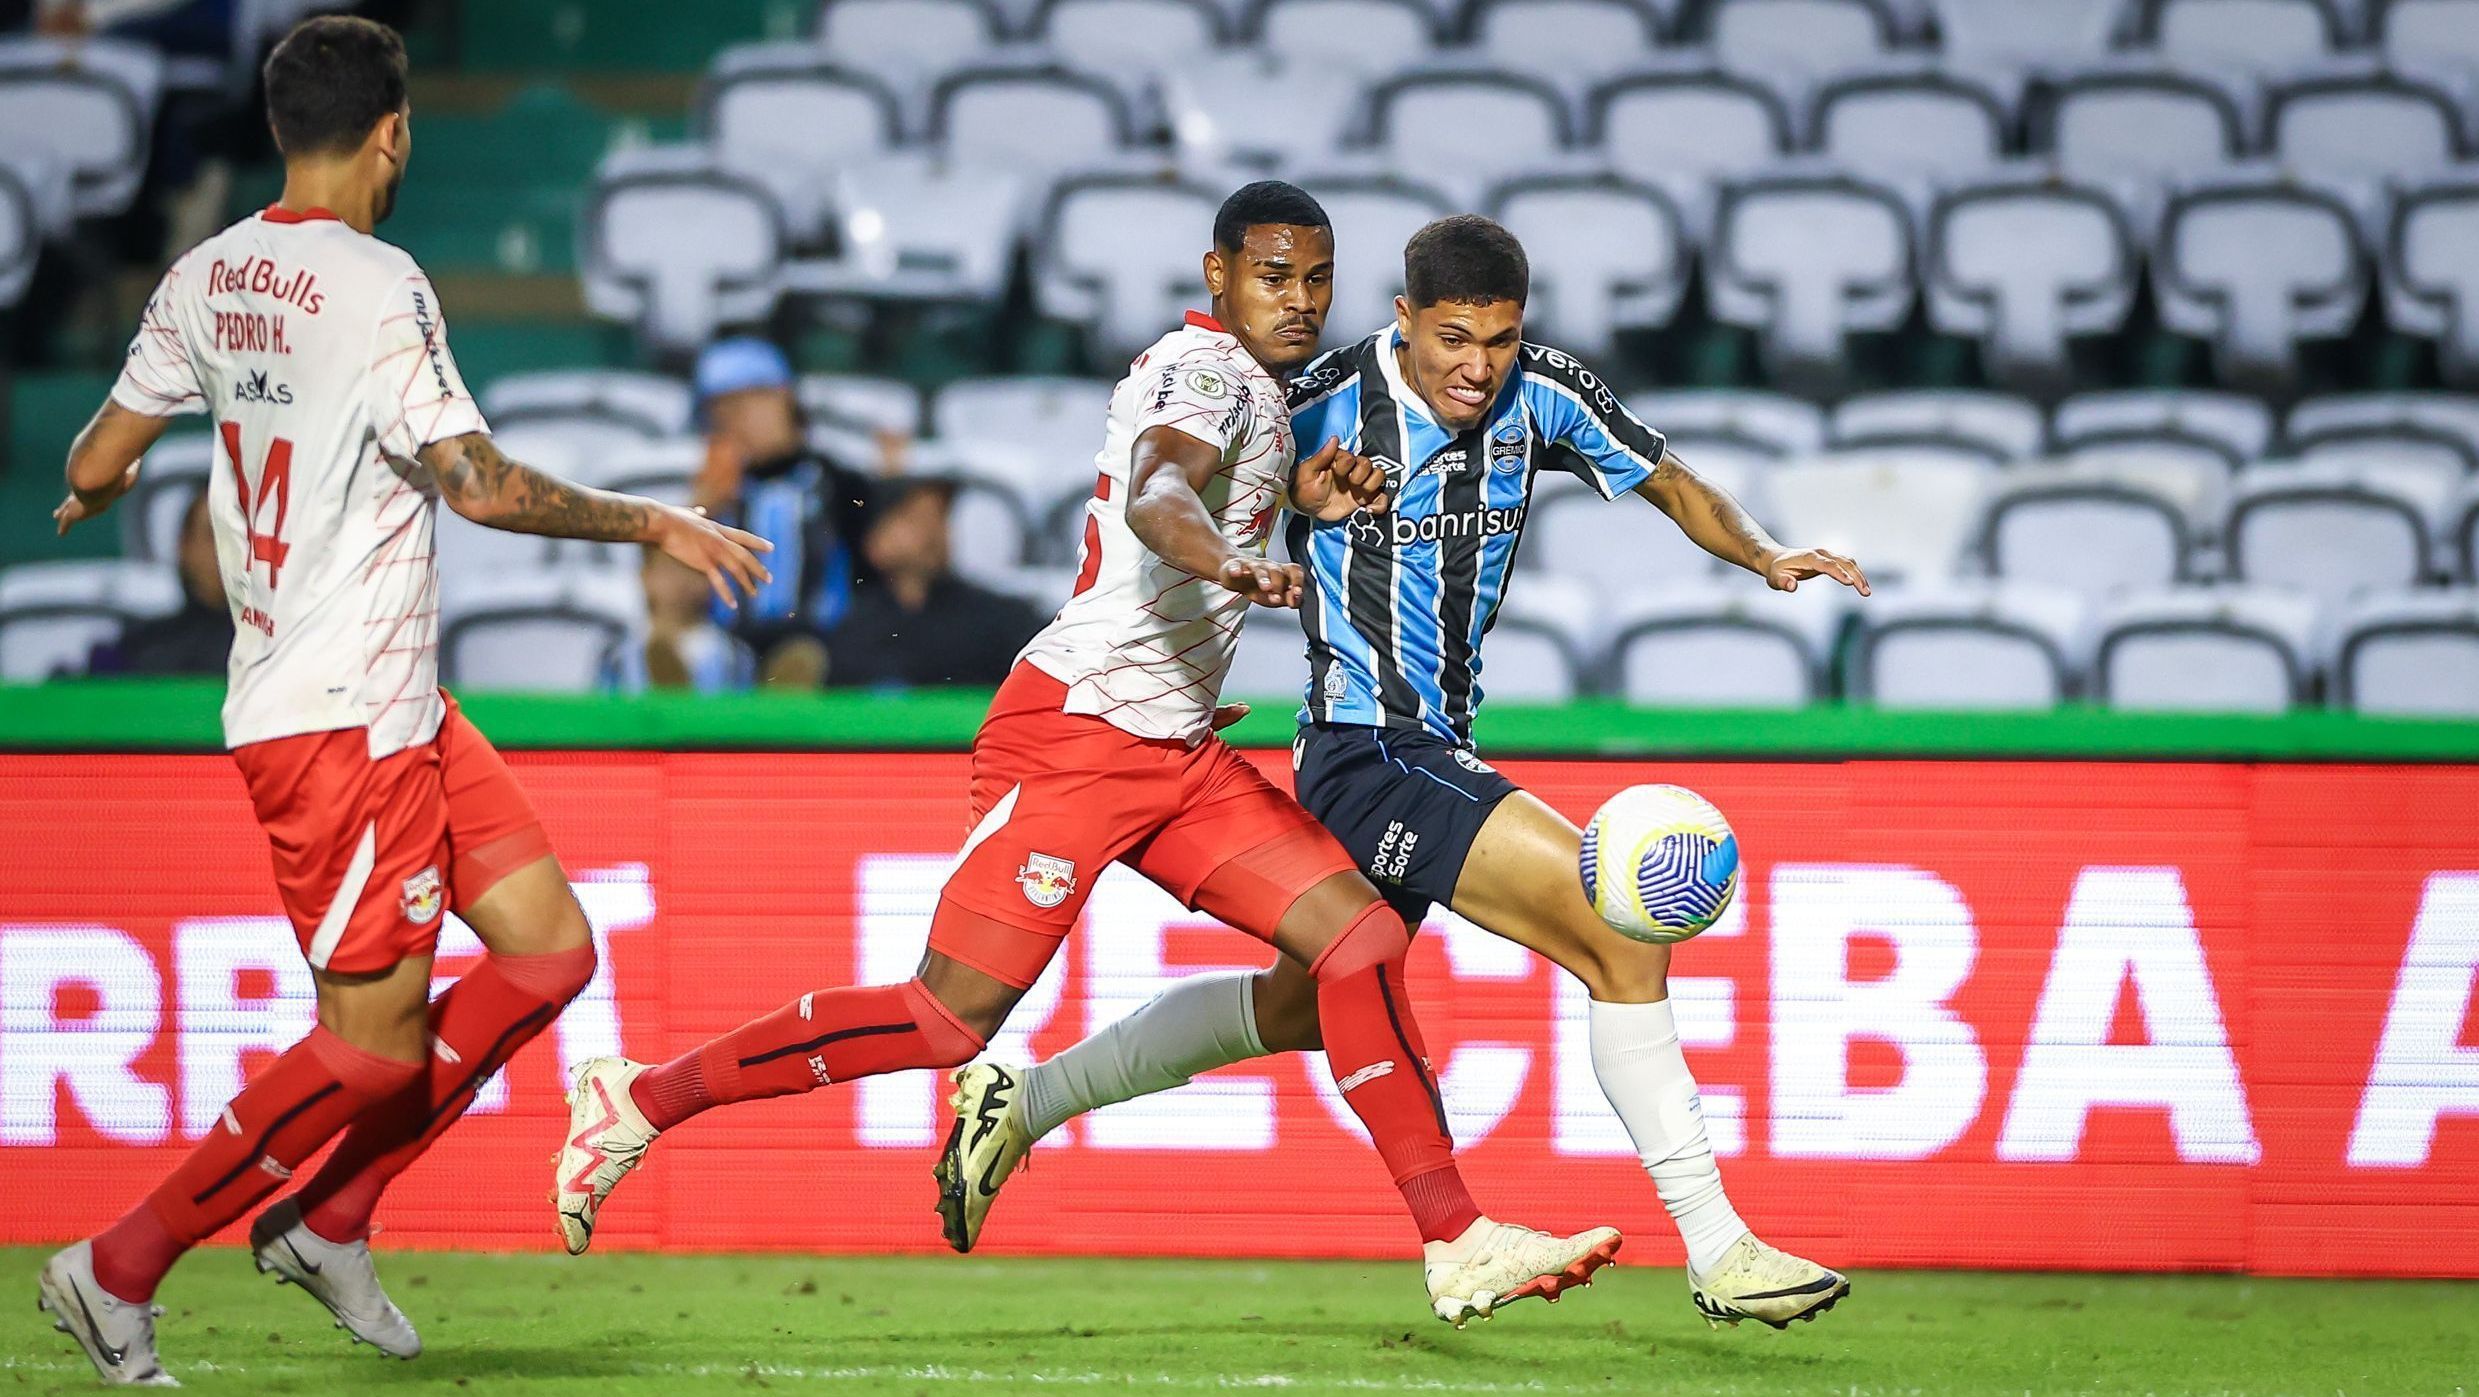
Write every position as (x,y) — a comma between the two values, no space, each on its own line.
(322,357)
(1100,748)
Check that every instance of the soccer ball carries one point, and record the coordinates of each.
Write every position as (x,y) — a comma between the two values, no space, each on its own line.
(1660,863)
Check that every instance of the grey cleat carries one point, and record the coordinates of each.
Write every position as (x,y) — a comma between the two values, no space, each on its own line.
(339,1275)
(118,1335)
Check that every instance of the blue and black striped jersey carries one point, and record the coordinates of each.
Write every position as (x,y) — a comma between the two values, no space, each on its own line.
(1397,603)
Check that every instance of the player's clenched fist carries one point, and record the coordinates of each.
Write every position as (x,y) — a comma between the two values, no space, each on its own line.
(1263,581)
(1336,484)
(727,556)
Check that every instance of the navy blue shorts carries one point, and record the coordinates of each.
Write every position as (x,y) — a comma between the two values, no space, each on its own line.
(1407,805)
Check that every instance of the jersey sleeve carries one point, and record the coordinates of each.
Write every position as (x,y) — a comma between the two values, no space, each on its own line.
(1573,408)
(159,379)
(1199,395)
(416,395)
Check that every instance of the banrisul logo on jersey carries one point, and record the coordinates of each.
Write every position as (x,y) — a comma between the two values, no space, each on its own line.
(1397,529)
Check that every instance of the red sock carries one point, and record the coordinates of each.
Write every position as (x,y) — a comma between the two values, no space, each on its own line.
(826,1036)
(1373,1047)
(475,1027)
(280,1119)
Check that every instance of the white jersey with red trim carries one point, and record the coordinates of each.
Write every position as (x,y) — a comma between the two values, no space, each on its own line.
(1141,643)
(321,354)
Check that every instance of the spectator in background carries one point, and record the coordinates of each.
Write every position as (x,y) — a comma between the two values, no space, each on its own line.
(915,622)
(684,648)
(197,639)
(762,474)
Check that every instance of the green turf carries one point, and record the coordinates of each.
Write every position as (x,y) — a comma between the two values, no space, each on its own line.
(616,1326)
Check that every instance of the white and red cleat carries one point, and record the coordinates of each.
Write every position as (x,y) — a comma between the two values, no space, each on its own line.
(1494,1264)
(607,1137)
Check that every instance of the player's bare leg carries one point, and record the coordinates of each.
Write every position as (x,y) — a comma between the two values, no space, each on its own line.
(367,1046)
(541,955)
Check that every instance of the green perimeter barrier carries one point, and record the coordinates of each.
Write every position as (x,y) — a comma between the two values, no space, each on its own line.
(182,716)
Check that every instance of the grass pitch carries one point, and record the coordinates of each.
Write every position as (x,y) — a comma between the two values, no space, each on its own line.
(620,1325)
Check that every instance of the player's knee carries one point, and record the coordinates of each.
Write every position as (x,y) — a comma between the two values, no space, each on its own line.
(1373,937)
(1615,970)
(951,1036)
(555,977)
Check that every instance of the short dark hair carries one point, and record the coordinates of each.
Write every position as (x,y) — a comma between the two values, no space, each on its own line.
(1266,201)
(331,80)
(1465,258)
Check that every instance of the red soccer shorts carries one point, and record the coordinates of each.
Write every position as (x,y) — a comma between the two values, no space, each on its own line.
(369,853)
(1059,795)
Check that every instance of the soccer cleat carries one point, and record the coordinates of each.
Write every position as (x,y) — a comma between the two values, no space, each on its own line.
(1765,1283)
(1507,1263)
(118,1335)
(607,1137)
(984,1146)
(339,1275)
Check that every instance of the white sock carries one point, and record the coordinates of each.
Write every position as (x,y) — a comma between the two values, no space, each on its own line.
(1635,1053)
(1197,1025)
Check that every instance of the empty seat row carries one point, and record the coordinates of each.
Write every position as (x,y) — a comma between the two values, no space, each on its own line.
(1756,35)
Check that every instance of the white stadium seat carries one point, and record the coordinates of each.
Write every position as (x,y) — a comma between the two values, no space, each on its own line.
(1373,218)
(2007,645)
(2462,534)
(1906,126)
(1466,130)
(2401,452)
(2409,654)
(1371,35)
(2139,131)
(1585,37)
(910,38)
(1683,132)
(169,477)
(1270,662)
(2256,267)
(1904,515)
(2190,470)
(2450,414)
(2007,427)
(990,529)
(2256,37)
(2241,425)
(1535,652)
(1606,255)
(2014,37)
(2022,267)
(2206,649)
(1043,119)
(679,246)
(21,230)
(650,405)
(1725,644)
(866,401)
(2090,530)
(1802,39)
(1775,423)
(919,229)
(2331,532)
(1624,545)
(2363,129)
(2430,36)
(1808,260)
(89,107)
(1144,33)
(565,631)
(1040,434)
(781,115)
(1119,257)
(53,615)
(2431,273)
(1216,106)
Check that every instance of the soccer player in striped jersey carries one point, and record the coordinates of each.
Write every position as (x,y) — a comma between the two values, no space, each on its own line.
(1462,414)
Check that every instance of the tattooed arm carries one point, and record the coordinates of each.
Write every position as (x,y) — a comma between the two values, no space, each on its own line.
(1712,517)
(487,487)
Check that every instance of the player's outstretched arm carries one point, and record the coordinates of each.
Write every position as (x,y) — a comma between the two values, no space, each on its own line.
(103,461)
(1713,517)
(489,488)
(1167,513)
